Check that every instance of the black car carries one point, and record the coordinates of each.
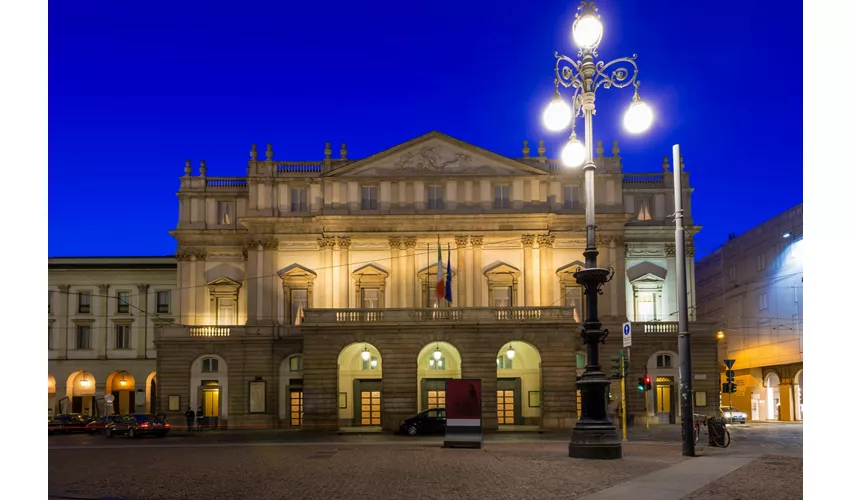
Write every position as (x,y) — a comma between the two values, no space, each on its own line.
(138,424)
(68,423)
(431,421)
(99,425)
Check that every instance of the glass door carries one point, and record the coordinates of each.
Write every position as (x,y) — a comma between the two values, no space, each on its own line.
(505,406)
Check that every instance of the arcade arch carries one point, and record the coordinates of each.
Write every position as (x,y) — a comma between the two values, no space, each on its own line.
(518,384)
(122,385)
(798,395)
(771,384)
(359,385)
(80,394)
(436,363)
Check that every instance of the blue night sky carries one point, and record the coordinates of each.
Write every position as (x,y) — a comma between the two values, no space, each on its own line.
(137,88)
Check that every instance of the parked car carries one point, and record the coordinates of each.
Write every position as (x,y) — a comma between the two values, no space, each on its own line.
(733,415)
(431,421)
(99,425)
(138,424)
(68,423)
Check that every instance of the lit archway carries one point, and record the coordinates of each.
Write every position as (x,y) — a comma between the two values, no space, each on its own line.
(359,385)
(798,386)
(436,363)
(150,394)
(51,395)
(291,401)
(122,385)
(771,384)
(208,388)
(80,389)
(663,370)
(518,384)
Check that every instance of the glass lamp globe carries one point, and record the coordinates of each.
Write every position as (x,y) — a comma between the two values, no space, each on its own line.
(573,153)
(557,116)
(511,353)
(437,354)
(638,117)
(365,354)
(587,31)
(374,363)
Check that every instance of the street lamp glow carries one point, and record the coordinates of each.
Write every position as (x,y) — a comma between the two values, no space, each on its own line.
(558,115)
(573,153)
(587,31)
(638,117)
(720,335)
(511,352)
(365,354)
(437,354)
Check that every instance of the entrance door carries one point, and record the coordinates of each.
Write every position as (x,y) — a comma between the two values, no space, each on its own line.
(210,402)
(296,407)
(433,393)
(509,401)
(662,403)
(368,402)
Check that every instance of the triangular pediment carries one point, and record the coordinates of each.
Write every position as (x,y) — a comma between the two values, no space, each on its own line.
(224,281)
(435,154)
(501,268)
(570,268)
(370,270)
(296,271)
(646,271)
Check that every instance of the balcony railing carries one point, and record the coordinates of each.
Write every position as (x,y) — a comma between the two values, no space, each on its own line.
(209,331)
(226,182)
(643,181)
(300,167)
(448,315)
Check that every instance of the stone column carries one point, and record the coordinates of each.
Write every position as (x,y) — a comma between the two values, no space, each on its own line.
(260,285)
(411,288)
(252,282)
(547,298)
(786,402)
(344,273)
(528,270)
(269,281)
(199,285)
(326,261)
(477,293)
(392,298)
(101,340)
(141,330)
(62,331)
(461,291)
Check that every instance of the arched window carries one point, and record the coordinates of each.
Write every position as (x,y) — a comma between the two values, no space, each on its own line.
(663,361)
(209,365)
(295,364)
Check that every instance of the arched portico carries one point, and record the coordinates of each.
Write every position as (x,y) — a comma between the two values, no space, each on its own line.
(771,384)
(208,388)
(436,363)
(359,385)
(80,391)
(51,395)
(798,394)
(150,394)
(518,384)
(122,385)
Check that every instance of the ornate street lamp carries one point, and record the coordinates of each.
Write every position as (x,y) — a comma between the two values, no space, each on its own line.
(365,354)
(594,436)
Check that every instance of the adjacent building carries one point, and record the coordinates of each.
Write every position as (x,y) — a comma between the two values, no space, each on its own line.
(753,288)
(305,292)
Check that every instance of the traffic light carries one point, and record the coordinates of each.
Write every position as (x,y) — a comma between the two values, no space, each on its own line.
(625,366)
(615,364)
(644,383)
(648,383)
(730,386)
(641,386)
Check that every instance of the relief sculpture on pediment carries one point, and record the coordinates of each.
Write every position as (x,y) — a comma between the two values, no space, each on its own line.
(428,160)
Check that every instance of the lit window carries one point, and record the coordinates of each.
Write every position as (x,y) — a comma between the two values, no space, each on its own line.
(573,297)
(370,364)
(209,365)
(644,211)
(295,364)
(646,306)
(437,364)
(369,298)
(503,362)
(502,296)
(298,302)
(225,311)
(581,362)
(225,212)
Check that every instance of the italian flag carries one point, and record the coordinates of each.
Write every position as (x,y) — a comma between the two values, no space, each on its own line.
(441,276)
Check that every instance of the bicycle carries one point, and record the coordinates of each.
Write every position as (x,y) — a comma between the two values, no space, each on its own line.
(715,437)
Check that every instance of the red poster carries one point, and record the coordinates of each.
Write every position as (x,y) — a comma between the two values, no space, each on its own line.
(463,399)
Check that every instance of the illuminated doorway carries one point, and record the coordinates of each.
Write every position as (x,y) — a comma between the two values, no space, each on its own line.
(359,386)
(436,363)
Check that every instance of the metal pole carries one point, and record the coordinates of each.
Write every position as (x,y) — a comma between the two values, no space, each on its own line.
(684,335)
(623,396)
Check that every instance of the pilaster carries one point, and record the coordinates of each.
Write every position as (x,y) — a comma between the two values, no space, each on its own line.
(200,314)
(101,335)
(545,243)
(325,248)
(61,329)
(396,273)
(251,275)
(141,327)
(528,270)
(269,280)
(477,275)
(344,244)
(410,291)
(462,291)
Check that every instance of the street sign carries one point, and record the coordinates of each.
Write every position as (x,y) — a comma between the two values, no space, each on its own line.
(729,363)
(109,398)
(627,334)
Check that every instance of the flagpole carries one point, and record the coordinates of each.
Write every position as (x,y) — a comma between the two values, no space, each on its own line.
(428,275)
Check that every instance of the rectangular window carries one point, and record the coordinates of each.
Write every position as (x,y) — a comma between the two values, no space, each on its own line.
(432,295)
(644,208)
(369,198)
(83,302)
(646,306)
(122,336)
(225,213)
(257,391)
(763,302)
(436,364)
(298,197)
(370,364)
(663,361)
(435,197)
(504,363)
(163,301)
(733,273)
(295,364)
(571,197)
(297,303)
(369,298)
(83,337)
(501,196)
(123,302)
(50,336)
(209,365)
(761,262)
(225,311)
(502,296)
(573,297)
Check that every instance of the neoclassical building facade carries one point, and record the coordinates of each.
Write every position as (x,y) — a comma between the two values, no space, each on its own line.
(306,291)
